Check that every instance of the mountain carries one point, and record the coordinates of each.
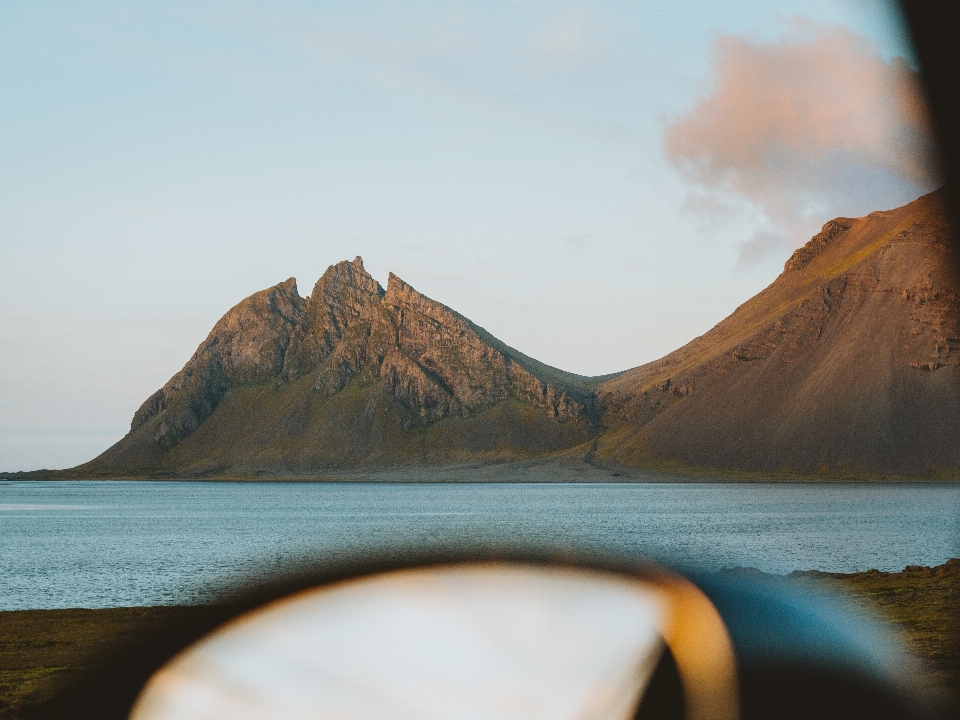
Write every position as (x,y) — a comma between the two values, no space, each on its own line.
(847,364)
(351,376)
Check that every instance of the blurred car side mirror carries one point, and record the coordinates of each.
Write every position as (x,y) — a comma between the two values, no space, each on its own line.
(500,634)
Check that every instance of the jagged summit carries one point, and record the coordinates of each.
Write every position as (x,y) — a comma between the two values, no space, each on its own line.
(353,374)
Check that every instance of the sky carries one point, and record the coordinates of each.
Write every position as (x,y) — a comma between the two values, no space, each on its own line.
(595,183)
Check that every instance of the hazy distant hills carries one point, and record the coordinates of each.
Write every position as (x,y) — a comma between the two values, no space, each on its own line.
(847,364)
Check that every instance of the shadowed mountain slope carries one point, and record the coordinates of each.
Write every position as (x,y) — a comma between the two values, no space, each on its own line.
(352,376)
(846,364)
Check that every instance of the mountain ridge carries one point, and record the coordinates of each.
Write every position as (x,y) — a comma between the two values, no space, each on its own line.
(363,376)
(847,364)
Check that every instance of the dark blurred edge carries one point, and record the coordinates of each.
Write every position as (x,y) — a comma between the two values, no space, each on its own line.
(934,27)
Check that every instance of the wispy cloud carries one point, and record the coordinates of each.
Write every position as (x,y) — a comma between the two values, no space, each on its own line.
(812,125)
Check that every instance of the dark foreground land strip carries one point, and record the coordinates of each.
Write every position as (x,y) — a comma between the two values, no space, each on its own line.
(42,650)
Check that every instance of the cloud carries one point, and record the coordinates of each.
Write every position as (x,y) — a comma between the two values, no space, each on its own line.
(813,125)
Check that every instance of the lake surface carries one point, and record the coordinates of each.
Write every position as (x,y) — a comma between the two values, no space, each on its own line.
(103,544)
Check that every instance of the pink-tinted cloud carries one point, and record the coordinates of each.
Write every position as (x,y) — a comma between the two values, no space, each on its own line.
(813,125)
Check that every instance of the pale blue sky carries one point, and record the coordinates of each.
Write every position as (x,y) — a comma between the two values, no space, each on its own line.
(161,161)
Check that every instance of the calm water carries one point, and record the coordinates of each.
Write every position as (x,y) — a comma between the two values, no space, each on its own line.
(101,544)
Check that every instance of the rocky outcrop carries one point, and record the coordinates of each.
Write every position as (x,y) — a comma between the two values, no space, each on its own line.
(403,351)
(443,350)
(830,232)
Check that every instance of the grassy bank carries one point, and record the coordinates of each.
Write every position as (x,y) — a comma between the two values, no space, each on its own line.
(922,603)
(41,650)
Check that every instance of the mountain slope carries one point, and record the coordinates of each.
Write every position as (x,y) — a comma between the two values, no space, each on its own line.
(847,363)
(351,376)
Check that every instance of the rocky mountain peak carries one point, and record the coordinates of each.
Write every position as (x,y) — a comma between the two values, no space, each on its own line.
(352,338)
(398,291)
(401,296)
(346,280)
(827,235)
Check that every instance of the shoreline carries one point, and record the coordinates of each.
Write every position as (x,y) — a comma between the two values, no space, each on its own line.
(534,471)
